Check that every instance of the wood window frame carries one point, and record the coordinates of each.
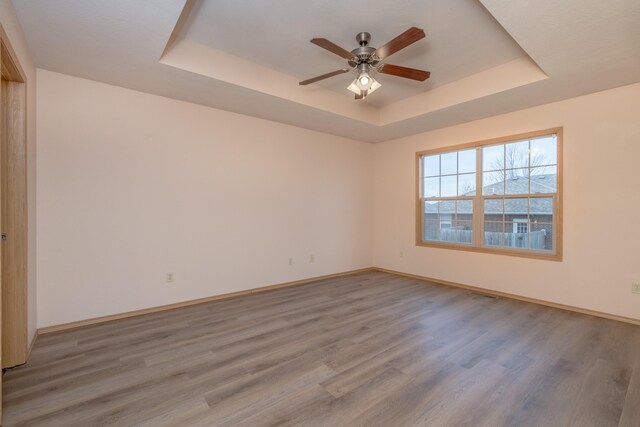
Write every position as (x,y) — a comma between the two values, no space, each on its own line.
(478,199)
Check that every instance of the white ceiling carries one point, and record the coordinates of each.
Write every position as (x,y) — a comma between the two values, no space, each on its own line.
(462,38)
(486,57)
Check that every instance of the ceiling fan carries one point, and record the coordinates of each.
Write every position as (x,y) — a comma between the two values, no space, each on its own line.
(364,59)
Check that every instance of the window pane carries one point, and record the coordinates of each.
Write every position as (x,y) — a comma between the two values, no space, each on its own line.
(448,221)
(467,184)
(447,207)
(459,232)
(520,230)
(544,151)
(493,157)
(464,210)
(513,239)
(493,182)
(431,165)
(542,237)
(467,161)
(431,230)
(449,186)
(544,179)
(542,206)
(493,226)
(445,221)
(521,227)
(431,187)
(516,208)
(493,235)
(516,211)
(517,155)
(463,225)
(431,211)
(517,181)
(449,163)
(494,210)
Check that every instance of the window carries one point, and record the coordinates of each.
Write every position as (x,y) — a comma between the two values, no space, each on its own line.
(498,196)
(520,225)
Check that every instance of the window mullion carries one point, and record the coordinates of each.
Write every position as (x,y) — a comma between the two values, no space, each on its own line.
(478,208)
(554,224)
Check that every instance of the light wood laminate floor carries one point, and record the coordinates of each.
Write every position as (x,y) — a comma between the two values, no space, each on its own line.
(371,349)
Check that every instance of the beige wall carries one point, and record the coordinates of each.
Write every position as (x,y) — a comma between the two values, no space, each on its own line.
(11,26)
(601,206)
(132,186)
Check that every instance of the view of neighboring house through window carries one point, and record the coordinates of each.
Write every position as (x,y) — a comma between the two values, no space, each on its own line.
(497,195)
(520,225)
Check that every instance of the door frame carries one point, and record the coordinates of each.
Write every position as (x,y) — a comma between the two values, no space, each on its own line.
(13,207)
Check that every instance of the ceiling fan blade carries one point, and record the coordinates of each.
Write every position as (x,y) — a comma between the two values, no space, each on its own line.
(324,76)
(407,73)
(334,48)
(410,36)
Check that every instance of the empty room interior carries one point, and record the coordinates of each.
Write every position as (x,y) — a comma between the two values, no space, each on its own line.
(249,213)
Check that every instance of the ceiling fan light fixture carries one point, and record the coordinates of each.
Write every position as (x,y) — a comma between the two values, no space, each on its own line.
(353,87)
(374,85)
(363,80)
(359,88)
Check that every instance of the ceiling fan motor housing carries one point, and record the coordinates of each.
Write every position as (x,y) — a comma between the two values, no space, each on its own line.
(363,54)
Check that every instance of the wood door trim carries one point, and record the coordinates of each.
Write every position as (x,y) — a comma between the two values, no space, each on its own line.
(14,210)
(11,68)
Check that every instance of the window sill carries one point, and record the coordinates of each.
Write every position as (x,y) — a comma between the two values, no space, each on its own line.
(493,250)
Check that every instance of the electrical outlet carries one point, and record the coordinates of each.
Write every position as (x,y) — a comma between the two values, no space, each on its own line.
(312,258)
(635,287)
(169,277)
(401,254)
(290,261)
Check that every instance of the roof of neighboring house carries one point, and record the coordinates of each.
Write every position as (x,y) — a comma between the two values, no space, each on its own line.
(519,185)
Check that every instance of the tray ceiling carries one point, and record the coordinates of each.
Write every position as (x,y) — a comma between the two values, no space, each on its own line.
(486,57)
